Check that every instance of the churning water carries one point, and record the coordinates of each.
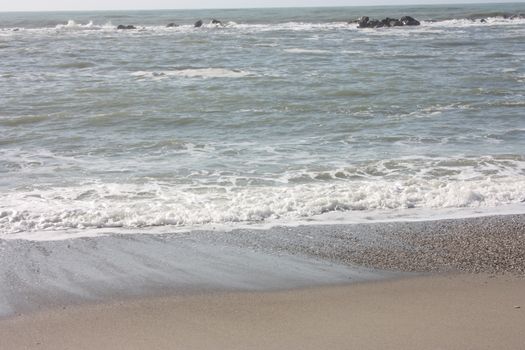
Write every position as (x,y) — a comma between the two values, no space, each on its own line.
(279,115)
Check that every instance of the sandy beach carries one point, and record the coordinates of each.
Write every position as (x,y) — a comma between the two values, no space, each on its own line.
(438,312)
(447,284)
(310,175)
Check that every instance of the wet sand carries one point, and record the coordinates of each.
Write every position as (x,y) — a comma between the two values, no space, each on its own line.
(448,284)
(436,312)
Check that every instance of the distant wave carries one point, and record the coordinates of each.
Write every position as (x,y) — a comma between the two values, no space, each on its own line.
(193,73)
(477,21)
(496,14)
(73,26)
(306,51)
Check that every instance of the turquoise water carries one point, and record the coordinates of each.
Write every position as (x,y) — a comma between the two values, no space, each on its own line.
(280,115)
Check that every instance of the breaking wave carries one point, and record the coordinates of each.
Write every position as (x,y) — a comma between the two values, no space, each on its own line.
(489,19)
(448,183)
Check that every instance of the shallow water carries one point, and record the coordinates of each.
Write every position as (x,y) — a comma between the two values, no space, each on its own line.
(280,115)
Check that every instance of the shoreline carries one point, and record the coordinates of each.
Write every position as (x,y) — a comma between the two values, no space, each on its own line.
(39,275)
(335,218)
(453,284)
(454,311)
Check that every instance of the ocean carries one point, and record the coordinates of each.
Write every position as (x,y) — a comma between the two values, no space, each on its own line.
(276,117)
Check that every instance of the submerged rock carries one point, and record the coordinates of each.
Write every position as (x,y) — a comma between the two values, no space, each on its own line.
(171,25)
(123,27)
(216,21)
(198,24)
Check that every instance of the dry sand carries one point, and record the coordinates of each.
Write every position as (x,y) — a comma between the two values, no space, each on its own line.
(432,312)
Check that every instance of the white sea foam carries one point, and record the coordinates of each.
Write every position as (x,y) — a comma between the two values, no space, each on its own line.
(292,26)
(73,25)
(193,73)
(427,27)
(306,51)
(353,52)
(92,27)
(464,22)
(450,183)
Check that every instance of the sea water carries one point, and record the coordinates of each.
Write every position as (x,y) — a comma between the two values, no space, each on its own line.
(276,116)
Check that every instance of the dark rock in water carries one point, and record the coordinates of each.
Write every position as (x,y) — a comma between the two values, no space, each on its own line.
(409,21)
(363,22)
(198,24)
(123,27)
(392,22)
(386,21)
(397,23)
(216,21)
(375,23)
(366,22)
(171,25)
(483,20)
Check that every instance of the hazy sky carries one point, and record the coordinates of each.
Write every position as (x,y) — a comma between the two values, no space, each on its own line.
(52,5)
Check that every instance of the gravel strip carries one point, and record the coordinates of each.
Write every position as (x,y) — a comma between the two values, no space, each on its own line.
(493,244)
